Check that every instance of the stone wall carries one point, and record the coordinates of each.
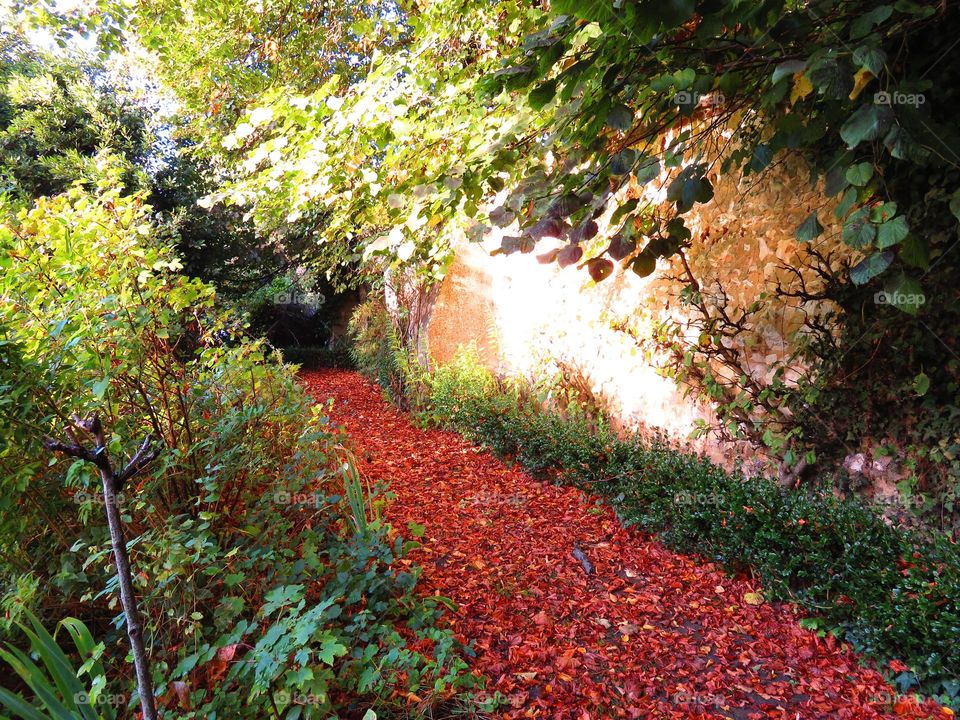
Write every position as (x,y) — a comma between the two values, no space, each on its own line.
(528,319)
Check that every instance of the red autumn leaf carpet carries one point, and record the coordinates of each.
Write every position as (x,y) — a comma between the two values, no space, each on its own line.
(648,634)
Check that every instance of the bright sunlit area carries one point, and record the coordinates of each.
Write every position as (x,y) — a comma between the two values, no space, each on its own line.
(427,360)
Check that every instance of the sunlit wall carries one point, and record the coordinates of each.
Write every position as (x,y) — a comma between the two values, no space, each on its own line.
(527,318)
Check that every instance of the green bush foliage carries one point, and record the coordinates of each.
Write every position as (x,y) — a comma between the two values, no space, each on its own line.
(63,690)
(887,591)
(56,115)
(375,347)
(268,584)
(314,357)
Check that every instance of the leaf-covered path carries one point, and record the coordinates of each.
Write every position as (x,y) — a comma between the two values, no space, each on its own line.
(649,634)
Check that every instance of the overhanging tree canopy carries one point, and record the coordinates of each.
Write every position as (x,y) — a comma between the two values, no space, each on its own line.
(400,121)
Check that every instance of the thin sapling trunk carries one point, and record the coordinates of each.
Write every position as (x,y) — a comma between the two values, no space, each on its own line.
(112,484)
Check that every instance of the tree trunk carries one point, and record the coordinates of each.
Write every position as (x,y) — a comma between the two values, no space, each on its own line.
(128,599)
(112,484)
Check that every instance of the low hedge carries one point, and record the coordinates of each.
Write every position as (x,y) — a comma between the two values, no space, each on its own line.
(889,592)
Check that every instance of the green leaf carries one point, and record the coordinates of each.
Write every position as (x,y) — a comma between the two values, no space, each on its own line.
(330,651)
(835,180)
(762,155)
(892,232)
(868,268)
(955,204)
(81,635)
(914,252)
(858,232)
(907,679)
(868,122)
(882,212)
(20,707)
(809,228)
(541,95)
(904,293)
(864,23)
(921,384)
(859,174)
(644,264)
(628,207)
(686,191)
(281,596)
(828,77)
(677,230)
(620,118)
(914,8)
(623,161)
(871,58)
(185,665)
(597,11)
(56,662)
(100,388)
(649,169)
(670,13)
(788,68)
(684,78)
(847,201)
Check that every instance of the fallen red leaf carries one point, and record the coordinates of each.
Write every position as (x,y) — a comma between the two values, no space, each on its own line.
(648,634)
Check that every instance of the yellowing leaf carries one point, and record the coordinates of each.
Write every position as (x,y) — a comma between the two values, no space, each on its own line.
(753,598)
(801,88)
(860,81)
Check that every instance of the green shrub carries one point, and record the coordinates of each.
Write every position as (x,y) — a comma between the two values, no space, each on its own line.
(60,686)
(889,592)
(258,578)
(375,348)
(314,358)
